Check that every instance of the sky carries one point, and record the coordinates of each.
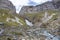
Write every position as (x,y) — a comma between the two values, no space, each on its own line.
(19,3)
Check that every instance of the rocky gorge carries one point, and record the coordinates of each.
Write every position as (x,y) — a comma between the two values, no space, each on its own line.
(40,22)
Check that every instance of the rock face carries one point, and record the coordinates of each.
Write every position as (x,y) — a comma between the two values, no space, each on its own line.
(6,4)
(50,5)
(55,0)
(44,15)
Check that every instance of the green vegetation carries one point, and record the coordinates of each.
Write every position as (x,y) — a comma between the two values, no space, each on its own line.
(5,15)
(37,16)
(34,17)
(11,26)
(17,33)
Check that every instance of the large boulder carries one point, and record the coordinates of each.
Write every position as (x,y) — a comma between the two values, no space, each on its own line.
(7,5)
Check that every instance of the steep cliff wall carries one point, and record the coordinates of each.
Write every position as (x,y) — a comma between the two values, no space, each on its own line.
(50,5)
(7,5)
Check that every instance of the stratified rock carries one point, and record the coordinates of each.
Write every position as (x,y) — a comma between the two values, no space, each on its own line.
(7,5)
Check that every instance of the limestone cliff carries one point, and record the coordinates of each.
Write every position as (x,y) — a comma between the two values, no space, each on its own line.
(7,5)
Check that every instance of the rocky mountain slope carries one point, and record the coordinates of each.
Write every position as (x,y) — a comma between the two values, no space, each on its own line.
(7,5)
(44,17)
(11,24)
(9,19)
(49,5)
(31,12)
(8,13)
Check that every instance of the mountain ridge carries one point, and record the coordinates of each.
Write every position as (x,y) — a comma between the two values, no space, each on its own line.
(49,5)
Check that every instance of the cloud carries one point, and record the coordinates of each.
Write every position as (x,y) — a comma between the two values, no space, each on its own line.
(19,3)
(39,1)
(32,3)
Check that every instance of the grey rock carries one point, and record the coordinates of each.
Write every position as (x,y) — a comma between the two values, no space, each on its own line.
(1,31)
(42,33)
(7,5)
(49,5)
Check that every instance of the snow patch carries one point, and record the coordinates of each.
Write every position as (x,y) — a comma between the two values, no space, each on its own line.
(28,23)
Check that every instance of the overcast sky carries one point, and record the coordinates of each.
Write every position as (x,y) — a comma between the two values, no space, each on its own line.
(19,3)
